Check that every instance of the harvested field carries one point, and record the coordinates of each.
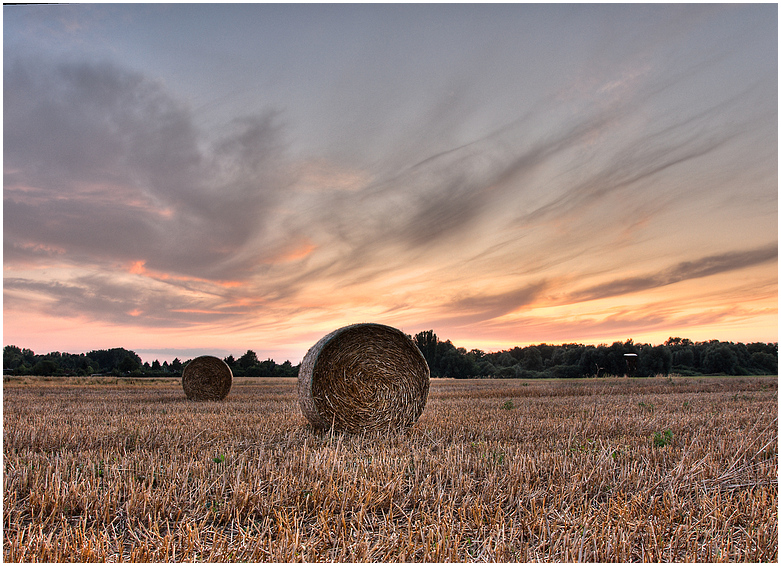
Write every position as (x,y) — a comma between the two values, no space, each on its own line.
(675,469)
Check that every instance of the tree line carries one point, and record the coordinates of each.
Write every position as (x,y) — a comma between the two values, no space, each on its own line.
(120,362)
(678,356)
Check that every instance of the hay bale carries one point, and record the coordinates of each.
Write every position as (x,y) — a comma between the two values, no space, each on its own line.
(363,377)
(207,379)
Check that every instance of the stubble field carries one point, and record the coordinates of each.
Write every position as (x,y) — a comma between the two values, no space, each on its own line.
(680,469)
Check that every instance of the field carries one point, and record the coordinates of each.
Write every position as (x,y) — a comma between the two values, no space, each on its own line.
(611,469)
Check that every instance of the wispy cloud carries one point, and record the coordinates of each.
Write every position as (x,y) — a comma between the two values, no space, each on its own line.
(702,267)
(481,308)
(122,177)
(107,299)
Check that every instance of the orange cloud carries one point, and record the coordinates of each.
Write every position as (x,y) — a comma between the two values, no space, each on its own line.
(300,251)
(197,311)
(139,268)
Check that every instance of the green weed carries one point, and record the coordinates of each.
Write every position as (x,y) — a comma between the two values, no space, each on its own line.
(662,439)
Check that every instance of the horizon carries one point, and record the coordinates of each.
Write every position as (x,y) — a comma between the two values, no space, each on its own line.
(185,355)
(508,175)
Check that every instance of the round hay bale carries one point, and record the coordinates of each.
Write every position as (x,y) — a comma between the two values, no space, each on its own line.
(207,379)
(363,377)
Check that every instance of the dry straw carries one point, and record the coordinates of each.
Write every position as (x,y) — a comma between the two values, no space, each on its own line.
(207,379)
(363,377)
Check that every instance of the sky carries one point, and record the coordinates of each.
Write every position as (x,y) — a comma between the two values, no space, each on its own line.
(182,180)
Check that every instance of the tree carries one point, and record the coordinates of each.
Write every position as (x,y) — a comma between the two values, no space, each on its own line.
(128,364)
(428,344)
(591,361)
(455,363)
(764,362)
(109,360)
(614,360)
(680,355)
(248,360)
(268,368)
(684,357)
(12,357)
(21,360)
(485,368)
(532,359)
(45,367)
(655,360)
(719,358)
(287,369)
(504,360)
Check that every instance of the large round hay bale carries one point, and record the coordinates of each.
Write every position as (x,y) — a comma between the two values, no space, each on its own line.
(363,377)
(207,379)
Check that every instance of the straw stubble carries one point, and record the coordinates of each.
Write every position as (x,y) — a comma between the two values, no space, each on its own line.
(103,470)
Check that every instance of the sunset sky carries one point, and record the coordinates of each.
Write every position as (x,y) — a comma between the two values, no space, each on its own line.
(205,179)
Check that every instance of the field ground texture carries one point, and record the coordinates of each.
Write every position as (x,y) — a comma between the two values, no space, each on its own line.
(609,469)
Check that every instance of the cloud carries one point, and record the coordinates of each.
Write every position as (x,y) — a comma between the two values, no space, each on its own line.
(703,267)
(429,208)
(109,299)
(104,163)
(577,180)
(490,306)
(661,147)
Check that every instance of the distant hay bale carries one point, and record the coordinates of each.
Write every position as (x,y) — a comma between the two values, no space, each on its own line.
(207,379)
(363,377)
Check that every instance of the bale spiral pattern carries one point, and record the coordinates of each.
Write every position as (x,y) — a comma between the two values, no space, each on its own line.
(363,377)
(207,378)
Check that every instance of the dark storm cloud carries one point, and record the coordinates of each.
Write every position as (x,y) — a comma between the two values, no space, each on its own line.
(703,267)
